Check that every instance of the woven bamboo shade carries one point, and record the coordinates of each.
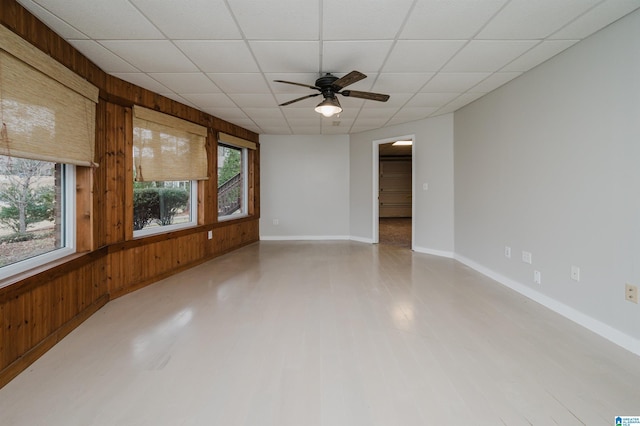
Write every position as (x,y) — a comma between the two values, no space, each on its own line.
(47,111)
(236,141)
(166,148)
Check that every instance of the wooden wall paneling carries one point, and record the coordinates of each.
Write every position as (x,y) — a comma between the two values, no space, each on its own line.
(100,177)
(37,310)
(114,165)
(115,272)
(127,183)
(207,189)
(84,209)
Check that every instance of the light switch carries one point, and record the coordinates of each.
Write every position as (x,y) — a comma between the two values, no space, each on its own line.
(425,186)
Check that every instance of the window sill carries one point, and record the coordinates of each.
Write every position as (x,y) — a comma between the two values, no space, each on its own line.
(48,271)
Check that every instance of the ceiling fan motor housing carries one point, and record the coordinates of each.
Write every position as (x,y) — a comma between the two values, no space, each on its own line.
(325,84)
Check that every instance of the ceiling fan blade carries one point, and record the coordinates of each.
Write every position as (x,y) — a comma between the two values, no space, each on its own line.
(365,95)
(352,77)
(299,99)
(297,84)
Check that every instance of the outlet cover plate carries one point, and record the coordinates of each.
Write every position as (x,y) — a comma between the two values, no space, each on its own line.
(527,257)
(507,252)
(631,293)
(575,273)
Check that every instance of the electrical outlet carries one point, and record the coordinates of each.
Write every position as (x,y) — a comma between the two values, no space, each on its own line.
(276,222)
(507,252)
(575,273)
(210,234)
(631,293)
(527,257)
(537,277)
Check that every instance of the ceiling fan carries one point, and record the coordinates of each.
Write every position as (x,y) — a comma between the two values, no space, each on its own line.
(329,86)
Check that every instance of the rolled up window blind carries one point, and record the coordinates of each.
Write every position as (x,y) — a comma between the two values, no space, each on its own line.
(166,148)
(47,111)
(236,141)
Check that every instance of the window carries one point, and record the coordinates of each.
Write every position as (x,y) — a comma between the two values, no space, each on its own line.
(48,129)
(36,213)
(232,182)
(161,206)
(169,156)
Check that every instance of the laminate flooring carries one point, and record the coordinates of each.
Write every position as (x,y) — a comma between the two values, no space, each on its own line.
(327,334)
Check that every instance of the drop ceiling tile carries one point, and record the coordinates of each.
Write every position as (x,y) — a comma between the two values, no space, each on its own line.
(396,100)
(456,104)
(421,55)
(287,56)
(240,82)
(264,113)
(431,99)
(284,19)
(527,19)
(454,82)
(400,82)
(377,113)
(413,113)
(441,20)
(363,55)
(226,113)
(303,78)
(306,122)
(487,55)
(142,80)
(303,103)
(337,122)
(178,98)
(151,55)
(362,20)
(62,28)
(314,130)
(494,81)
(542,52)
(202,19)
(339,130)
(186,82)
(209,100)
(257,100)
(270,122)
(102,57)
(296,113)
(246,123)
(113,19)
(219,56)
(596,19)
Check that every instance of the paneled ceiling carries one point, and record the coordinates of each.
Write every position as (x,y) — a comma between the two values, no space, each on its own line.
(221,56)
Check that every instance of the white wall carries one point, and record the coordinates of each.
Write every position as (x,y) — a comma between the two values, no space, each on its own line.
(550,163)
(433,164)
(304,184)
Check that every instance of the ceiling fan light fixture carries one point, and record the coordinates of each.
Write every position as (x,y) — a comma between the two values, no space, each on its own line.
(329,107)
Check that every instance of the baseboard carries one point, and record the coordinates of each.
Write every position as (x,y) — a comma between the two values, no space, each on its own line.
(304,237)
(433,252)
(361,240)
(606,331)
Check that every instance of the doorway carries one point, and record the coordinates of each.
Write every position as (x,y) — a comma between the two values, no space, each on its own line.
(393,177)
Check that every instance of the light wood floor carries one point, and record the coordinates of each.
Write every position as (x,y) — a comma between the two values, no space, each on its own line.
(326,333)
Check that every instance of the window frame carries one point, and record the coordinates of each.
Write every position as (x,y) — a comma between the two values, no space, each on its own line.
(193,208)
(68,214)
(244,159)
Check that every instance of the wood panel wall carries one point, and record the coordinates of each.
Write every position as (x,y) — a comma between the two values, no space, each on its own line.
(38,308)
